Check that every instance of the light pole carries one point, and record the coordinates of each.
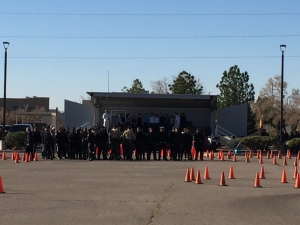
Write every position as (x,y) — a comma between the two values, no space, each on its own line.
(5,44)
(282,48)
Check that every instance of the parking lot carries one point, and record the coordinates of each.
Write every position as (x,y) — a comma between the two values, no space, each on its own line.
(145,192)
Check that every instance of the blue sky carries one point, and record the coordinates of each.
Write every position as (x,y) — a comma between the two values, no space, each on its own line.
(63,48)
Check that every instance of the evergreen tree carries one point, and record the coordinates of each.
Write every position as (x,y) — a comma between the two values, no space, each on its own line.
(137,87)
(185,83)
(235,90)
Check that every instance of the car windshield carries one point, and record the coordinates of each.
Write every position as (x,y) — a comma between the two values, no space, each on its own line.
(18,128)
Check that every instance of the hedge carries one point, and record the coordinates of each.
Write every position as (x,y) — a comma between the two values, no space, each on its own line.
(258,142)
(293,144)
(15,140)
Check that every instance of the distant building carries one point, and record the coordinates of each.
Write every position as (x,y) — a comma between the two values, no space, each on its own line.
(13,104)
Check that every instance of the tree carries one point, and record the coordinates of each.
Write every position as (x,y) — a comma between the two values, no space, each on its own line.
(234,88)
(137,87)
(268,104)
(160,86)
(185,83)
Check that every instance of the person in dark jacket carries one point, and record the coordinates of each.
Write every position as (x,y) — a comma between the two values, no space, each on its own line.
(175,139)
(48,143)
(91,142)
(187,141)
(59,139)
(73,143)
(36,139)
(30,141)
(162,143)
(198,138)
(85,144)
(139,143)
(151,144)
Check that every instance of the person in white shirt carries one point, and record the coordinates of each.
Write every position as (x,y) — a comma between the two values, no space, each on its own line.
(105,118)
(177,121)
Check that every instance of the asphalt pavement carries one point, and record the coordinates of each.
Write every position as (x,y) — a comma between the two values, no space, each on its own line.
(146,193)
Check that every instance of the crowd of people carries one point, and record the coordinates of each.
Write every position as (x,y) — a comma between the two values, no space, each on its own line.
(148,140)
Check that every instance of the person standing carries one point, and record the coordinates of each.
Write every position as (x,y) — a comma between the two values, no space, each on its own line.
(48,143)
(151,144)
(36,139)
(187,141)
(53,144)
(105,118)
(162,143)
(73,143)
(139,144)
(85,144)
(177,121)
(114,137)
(175,144)
(198,138)
(128,139)
(60,143)
(30,142)
(91,143)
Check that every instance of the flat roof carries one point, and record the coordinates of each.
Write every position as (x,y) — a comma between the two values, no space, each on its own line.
(35,113)
(149,96)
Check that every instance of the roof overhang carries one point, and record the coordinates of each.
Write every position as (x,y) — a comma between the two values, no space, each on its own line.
(150,96)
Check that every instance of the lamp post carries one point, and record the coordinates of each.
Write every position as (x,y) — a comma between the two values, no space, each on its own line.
(282,48)
(5,44)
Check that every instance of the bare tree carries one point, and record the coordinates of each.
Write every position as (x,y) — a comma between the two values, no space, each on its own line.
(160,86)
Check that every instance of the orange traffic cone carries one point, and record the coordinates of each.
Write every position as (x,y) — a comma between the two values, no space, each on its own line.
(1,186)
(187,176)
(298,156)
(222,156)
(262,173)
(35,157)
(284,161)
(230,175)
(13,155)
(229,155)
(17,158)
(222,180)
(24,157)
(250,154)
(274,160)
(260,161)
(3,156)
(271,154)
(234,158)
(279,155)
(206,174)
(256,181)
(207,154)
(295,162)
(211,155)
(247,159)
(192,174)
(295,172)
(257,154)
(246,153)
(283,177)
(297,182)
(198,178)
(268,154)
(288,154)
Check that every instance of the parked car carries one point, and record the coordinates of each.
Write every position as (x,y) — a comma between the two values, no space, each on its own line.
(20,127)
(7,127)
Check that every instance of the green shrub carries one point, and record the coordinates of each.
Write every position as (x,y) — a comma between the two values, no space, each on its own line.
(293,144)
(258,142)
(15,140)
